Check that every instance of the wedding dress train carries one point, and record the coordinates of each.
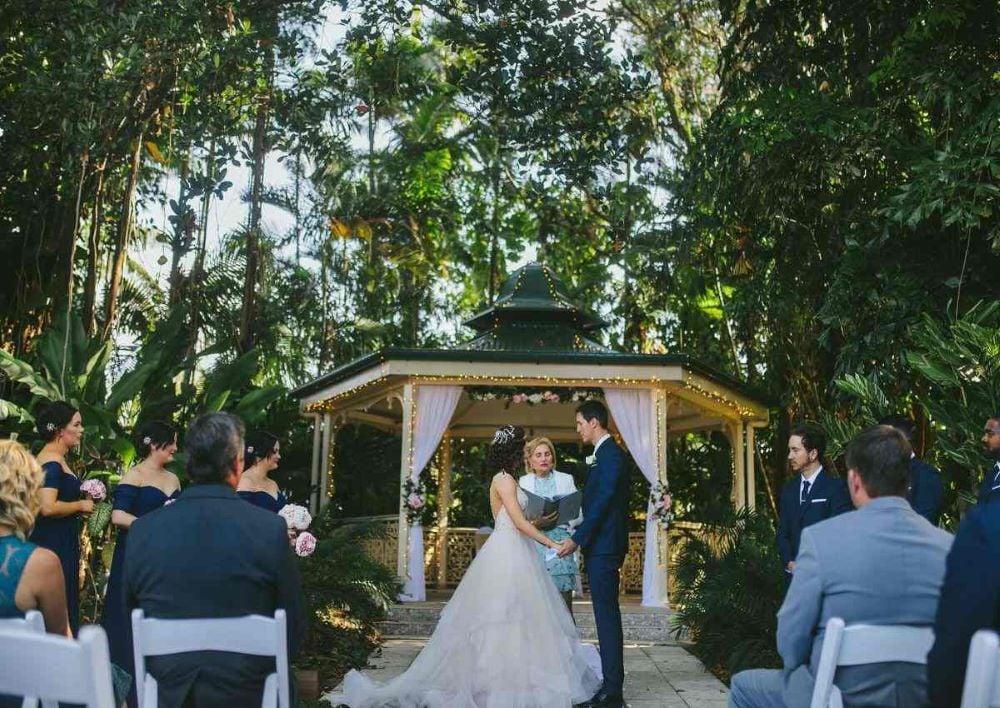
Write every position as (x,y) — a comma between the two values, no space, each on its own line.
(504,640)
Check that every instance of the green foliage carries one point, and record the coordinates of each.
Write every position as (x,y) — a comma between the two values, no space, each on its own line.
(729,589)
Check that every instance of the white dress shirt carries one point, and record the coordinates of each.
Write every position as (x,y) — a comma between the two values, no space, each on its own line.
(812,481)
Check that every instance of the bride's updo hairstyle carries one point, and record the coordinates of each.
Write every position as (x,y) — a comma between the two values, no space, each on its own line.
(506,452)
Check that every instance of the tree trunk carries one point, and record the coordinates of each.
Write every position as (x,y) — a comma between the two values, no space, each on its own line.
(93,247)
(252,275)
(180,244)
(69,254)
(122,234)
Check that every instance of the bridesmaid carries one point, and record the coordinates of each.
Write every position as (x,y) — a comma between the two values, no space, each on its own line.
(58,525)
(144,488)
(260,457)
(543,480)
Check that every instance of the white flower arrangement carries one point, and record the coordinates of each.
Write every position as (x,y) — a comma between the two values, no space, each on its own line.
(297,517)
(415,499)
(661,502)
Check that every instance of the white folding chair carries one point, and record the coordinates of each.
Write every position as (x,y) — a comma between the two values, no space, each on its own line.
(981,689)
(56,668)
(32,622)
(865,644)
(253,634)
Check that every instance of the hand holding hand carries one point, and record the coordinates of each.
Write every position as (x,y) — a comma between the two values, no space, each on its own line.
(790,567)
(567,547)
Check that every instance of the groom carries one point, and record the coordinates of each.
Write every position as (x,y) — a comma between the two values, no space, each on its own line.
(603,536)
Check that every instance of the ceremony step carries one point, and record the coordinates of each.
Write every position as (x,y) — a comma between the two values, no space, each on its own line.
(639,624)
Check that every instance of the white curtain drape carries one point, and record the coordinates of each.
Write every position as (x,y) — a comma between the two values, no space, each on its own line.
(433,407)
(635,414)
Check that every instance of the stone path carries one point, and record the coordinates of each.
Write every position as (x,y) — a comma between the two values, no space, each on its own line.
(656,675)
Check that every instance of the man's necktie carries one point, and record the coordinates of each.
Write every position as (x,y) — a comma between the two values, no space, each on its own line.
(805,492)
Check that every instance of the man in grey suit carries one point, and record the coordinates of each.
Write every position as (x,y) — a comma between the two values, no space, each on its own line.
(880,564)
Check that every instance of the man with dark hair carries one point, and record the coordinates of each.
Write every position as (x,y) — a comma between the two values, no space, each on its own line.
(881,564)
(812,495)
(208,555)
(603,536)
(925,491)
(990,488)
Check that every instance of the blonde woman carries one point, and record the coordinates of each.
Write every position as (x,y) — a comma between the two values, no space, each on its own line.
(544,480)
(31,577)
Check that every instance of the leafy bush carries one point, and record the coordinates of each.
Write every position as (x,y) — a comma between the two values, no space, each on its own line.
(729,590)
(346,594)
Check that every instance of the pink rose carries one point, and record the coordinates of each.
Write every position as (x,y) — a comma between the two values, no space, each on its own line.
(95,489)
(415,501)
(519,398)
(305,544)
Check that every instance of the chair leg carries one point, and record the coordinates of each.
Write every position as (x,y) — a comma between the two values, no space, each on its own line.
(150,696)
(270,692)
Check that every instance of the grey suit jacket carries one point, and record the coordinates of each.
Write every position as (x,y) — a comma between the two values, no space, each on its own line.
(881,564)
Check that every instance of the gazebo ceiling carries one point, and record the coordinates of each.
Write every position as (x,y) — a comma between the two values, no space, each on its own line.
(533,336)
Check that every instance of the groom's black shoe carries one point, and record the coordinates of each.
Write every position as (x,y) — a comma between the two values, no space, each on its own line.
(603,699)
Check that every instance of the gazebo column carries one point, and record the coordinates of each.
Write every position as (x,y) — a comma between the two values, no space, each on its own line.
(751,482)
(736,442)
(662,403)
(326,474)
(314,470)
(405,458)
(444,504)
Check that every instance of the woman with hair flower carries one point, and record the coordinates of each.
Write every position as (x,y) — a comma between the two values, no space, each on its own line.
(58,524)
(261,457)
(144,488)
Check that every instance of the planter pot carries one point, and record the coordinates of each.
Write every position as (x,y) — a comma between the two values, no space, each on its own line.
(308,682)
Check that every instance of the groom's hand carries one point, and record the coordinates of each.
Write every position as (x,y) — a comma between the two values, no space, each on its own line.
(566,547)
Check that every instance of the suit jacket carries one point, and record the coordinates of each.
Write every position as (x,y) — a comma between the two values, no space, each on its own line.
(926,491)
(990,488)
(881,564)
(211,554)
(564,485)
(828,497)
(970,601)
(604,529)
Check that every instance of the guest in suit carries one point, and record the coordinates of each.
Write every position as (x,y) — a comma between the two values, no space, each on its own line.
(925,492)
(261,456)
(58,525)
(881,564)
(812,495)
(990,488)
(144,488)
(544,480)
(970,601)
(212,555)
(603,536)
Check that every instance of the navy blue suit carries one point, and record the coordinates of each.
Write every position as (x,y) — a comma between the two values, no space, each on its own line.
(603,537)
(211,554)
(828,497)
(990,488)
(926,491)
(970,601)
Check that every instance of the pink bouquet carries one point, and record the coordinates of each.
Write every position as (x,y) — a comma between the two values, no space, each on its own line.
(95,489)
(661,501)
(305,544)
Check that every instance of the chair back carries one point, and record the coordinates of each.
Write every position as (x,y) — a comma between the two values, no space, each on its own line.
(865,644)
(981,688)
(31,622)
(253,634)
(56,668)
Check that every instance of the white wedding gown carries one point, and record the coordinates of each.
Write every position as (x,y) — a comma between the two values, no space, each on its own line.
(504,640)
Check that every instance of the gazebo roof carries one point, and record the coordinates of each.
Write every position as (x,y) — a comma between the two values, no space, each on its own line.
(534,335)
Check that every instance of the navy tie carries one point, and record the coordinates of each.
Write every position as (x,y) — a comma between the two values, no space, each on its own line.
(805,491)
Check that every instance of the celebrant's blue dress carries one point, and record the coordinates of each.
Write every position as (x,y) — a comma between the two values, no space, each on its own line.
(563,571)
(137,501)
(264,500)
(61,535)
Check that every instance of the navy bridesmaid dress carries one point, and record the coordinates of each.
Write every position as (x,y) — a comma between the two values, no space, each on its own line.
(264,500)
(61,535)
(137,501)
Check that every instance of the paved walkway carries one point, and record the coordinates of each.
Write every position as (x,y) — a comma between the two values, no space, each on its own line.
(656,675)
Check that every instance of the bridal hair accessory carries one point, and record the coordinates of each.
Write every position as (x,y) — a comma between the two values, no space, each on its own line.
(147,440)
(503,435)
(50,426)
(250,449)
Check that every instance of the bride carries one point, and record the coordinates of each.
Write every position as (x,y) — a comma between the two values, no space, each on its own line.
(505,639)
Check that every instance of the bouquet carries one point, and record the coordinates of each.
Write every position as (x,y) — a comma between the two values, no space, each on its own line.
(661,501)
(95,489)
(298,519)
(413,498)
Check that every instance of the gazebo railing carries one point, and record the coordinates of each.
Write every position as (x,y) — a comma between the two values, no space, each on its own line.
(382,547)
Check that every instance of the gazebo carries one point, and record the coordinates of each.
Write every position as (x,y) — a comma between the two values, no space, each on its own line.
(532,341)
